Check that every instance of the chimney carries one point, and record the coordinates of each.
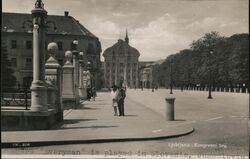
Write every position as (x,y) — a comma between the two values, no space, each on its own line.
(66,13)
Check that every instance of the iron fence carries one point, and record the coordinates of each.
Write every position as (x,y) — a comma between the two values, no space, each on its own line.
(19,97)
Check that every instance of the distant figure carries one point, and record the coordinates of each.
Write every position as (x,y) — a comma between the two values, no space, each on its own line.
(120,98)
(93,93)
(89,93)
(114,95)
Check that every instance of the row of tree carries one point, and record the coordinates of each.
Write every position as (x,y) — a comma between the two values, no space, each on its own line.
(224,60)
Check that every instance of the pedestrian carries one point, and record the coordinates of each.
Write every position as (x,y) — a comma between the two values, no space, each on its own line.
(89,92)
(114,95)
(121,97)
(93,93)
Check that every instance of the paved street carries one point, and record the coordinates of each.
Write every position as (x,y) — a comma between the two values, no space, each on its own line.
(220,126)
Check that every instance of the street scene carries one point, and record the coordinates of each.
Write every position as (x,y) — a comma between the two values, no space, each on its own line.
(125,79)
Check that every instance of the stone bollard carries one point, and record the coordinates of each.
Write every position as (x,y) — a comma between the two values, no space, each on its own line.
(246,90)
(241,90)
(170,108)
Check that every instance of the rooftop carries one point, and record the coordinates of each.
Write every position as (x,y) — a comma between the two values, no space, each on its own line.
(65,24)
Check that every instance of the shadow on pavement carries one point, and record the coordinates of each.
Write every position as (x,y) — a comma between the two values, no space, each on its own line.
(74,121)
(89,108)
(179,120)
(88,127)
(130,115)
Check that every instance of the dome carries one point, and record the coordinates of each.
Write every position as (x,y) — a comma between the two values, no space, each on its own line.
(122,48)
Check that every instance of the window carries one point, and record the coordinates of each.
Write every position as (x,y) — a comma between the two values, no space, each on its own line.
(13,44)
(13,61)
(28,62)
(60,45)
(28,44)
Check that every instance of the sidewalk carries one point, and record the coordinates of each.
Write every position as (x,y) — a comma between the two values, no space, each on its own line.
(94,122)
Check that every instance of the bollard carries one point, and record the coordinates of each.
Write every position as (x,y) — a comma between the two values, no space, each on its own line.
(170,108)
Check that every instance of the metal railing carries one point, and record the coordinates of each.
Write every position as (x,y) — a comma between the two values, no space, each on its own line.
(16,97)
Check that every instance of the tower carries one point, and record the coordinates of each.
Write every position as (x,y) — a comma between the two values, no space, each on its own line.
(126,38)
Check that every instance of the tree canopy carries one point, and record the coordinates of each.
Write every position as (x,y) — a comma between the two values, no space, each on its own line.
(227,57)
(8,80)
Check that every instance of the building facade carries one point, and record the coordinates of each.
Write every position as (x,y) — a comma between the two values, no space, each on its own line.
(17,36)
(121,65)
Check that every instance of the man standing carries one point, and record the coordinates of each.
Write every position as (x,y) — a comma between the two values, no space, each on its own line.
(121,97)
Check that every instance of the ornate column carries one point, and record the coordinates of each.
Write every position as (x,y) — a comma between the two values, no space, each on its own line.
(53,76)
(68,78)
(39,87)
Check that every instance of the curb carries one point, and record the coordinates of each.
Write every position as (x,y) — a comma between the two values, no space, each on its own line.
(68,142)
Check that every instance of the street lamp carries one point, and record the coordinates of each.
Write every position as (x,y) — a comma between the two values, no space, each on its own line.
(210,82)
(89,70)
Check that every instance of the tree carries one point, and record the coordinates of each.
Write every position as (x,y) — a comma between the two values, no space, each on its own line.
(228,62)
(8,80)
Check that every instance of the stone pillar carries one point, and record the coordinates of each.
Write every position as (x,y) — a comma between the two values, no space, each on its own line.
(76,76)
(54,78)
(39,87)
(68,78)
(170,108)
(234,90)
(246,90)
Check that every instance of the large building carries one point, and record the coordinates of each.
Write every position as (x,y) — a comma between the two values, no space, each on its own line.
(121,66)
(17,36)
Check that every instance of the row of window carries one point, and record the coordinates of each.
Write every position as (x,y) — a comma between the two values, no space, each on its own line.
(28,45)
(121,70)
(121,64)
(28,62)
(113,76)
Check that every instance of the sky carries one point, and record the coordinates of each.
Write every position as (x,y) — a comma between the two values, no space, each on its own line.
(156,28)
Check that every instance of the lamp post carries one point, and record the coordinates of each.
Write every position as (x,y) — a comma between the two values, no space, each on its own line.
(76,70)
(39,87)
(210,79)
(89,70)
(171,78)
(81,65)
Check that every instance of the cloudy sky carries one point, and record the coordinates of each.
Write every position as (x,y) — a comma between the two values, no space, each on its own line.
(157,28)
